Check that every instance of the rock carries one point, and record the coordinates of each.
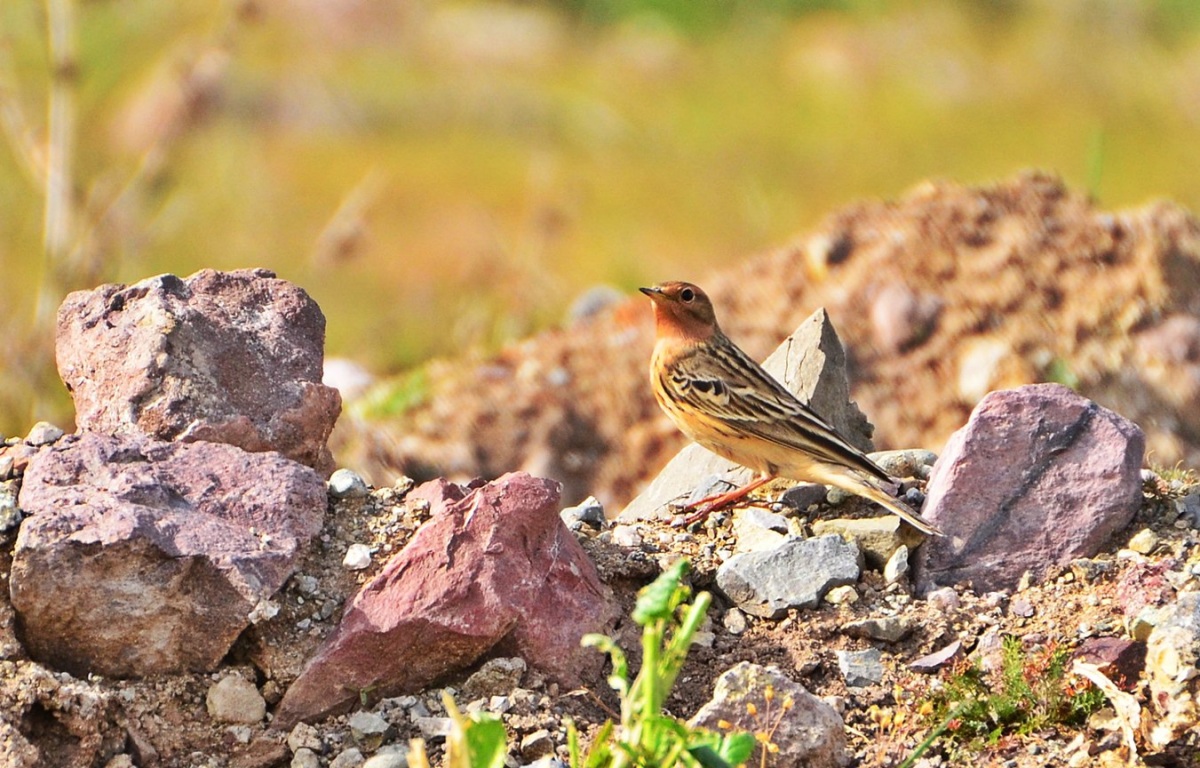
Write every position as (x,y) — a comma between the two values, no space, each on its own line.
(812,365)
(537,744)
(347,484)
(877,537)
(734,621)
(81,716)
(229,357)
(861,668)
(944,599)
(627,536)
(758,530)
(368,730)
(494,567)
(495,678)
(433,728)
(938,659)
(348,758)
(1038,477)
(388,759)
(358,557)
(589,512)
(234,699)
(305,758)
(141,557)
(810,733)
(1144,541)
(43,433)
(897,565)
(1172,658)
(906,462)
(843,595)
(1121,660)
(889,629)
(794,575)
(10,512)
(305,736)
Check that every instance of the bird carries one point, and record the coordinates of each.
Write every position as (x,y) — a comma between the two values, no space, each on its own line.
(722,399)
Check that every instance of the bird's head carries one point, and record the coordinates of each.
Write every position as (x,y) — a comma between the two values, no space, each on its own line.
(682,310)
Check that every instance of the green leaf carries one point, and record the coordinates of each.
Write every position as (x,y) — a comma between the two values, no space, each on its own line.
(487,743)
(657,600)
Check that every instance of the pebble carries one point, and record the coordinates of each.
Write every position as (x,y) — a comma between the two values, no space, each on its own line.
(234,699)
(861,668)
(734,621)
(897,565)
(10,513)
(240,733)
(393,757)
(306,585)
(889,629)
(43,433)
(348,484)
(6,467)
(433,728)
(944,599)
(348,758)
(304,736)
(305,758)
(843,595)
(589,511)
(627,536)
(1144,541)
(536,744)
(358,557)
(368,730)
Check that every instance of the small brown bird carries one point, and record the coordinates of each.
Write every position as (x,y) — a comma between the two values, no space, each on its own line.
(726,402)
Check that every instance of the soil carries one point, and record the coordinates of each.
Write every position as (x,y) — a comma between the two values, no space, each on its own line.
(164,721)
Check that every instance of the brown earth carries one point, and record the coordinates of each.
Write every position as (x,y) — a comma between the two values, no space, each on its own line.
(938,297)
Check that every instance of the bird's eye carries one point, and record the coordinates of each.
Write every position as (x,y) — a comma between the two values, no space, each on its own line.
(687,294)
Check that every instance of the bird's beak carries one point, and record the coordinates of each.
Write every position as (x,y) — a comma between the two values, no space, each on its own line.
(654,293)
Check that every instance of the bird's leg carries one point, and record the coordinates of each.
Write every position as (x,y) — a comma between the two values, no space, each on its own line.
(706,506)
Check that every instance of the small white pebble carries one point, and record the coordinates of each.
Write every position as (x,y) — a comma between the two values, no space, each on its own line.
(1144,541)
(358,557)
(843,595)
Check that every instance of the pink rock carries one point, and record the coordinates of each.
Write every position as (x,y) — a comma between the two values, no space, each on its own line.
(1039,476)
(141,557)
(228,357)
(494,568)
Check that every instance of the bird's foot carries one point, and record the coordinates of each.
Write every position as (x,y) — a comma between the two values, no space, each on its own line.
(699,510)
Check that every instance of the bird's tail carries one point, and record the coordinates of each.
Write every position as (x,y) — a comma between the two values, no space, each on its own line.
(862,486)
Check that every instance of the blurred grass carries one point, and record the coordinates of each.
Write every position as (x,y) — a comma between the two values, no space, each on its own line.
(445,175)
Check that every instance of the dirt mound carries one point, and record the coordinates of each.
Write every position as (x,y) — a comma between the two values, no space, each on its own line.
(939,297)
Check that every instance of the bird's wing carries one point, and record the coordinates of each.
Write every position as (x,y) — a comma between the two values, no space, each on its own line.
(726,384)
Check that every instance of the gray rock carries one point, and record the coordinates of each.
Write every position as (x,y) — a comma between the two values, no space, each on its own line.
(497,677)
(397,758)
(861,668)
(1038,477)
(305,736)
(809,734)
(305,758)
(348,484)
(734,621)
(43,433)
(1188,506)
(141,557)
(433,728)
(234,699)
(589,512)
(906,462)
(758,530)
(1172,660)
(10,512)
(889,629)
(368,730)
(812,365)
(794,575)
(230,357)
(877,537)
(349,758)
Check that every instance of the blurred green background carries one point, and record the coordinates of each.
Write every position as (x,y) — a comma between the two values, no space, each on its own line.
(443,176)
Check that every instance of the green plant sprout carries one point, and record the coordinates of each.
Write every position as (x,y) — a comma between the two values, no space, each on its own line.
(646,737)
